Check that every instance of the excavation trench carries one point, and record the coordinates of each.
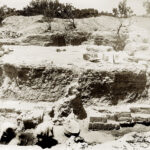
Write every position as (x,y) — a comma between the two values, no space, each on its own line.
(56,85)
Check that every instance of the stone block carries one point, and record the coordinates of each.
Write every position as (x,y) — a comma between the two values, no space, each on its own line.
(104,126)
(123,114)
(144,110)
(125,119)
(99,119)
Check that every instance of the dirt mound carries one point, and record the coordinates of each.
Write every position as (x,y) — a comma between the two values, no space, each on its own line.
(25,25)
(31,30)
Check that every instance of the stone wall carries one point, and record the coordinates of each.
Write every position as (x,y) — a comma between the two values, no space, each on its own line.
(116,120)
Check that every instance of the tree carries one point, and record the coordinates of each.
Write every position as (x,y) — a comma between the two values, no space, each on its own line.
(67,12)
(5,12)
(146,4)
(123,10)
(115,12)
(2,14)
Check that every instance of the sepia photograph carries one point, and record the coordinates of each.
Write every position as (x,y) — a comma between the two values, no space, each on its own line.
(74,74)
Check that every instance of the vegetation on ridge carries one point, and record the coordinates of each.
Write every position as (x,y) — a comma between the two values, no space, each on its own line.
(55,9)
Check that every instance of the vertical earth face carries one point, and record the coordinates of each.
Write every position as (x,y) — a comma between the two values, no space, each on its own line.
(49,83)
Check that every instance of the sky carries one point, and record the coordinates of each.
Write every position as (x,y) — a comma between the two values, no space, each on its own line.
(101,5)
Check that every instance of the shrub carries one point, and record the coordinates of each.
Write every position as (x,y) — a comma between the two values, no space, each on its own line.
(76,38)
(84,13)
(105,13)
(55,9)
(119,42)
(120,38)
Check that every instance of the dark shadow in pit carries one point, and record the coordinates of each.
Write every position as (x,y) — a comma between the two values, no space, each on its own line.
(7,136)
(26,139)
(144,123)
(126,125)
(46,142)
(78,108)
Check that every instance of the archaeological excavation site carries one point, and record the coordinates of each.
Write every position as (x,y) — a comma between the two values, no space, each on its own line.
(74,79)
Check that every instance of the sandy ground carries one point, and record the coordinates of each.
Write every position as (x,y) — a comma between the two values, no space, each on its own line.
(72,57)
(36,55)
(90,136)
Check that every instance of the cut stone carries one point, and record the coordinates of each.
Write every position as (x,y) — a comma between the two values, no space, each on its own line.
(144,110)
(125,119)
(141,117)
(99,119)
(123,114)
(104,126)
